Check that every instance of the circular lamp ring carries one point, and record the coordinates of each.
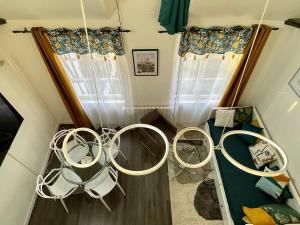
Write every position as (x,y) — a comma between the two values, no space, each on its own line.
(65,148)
(247,169)
(138,172)
(210,153)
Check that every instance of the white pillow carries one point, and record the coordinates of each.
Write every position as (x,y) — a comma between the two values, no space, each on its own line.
(221,118)
(263,153)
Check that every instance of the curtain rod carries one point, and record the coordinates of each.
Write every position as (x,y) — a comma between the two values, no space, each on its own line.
(29,31)
(192,30)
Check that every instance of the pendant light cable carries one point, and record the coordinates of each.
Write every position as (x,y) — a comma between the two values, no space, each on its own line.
(177,88)
(91,60)
(119,13)
(245,66)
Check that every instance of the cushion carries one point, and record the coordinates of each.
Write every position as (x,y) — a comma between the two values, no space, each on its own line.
(258,216)
(286,194)
(243,115)
(282,214)
(262,153)
(273,186)
(246,219)
(251,140)
(221,118)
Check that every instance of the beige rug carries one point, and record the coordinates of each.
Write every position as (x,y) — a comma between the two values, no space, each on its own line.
(182,203)
(182,200)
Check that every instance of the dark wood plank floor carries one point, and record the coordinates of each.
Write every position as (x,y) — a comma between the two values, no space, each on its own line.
(147,200)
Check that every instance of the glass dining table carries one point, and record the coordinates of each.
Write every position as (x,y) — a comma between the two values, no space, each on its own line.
(84,154)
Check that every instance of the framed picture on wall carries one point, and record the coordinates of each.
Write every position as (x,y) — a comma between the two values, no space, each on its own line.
(145,62)
(295,82)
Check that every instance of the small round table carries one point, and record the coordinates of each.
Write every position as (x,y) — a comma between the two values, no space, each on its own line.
(86,174)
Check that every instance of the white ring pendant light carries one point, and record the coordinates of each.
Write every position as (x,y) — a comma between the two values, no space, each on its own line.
(138,172)
(66,152)
(210,153)
(234,132)
(247,169)
(210,141)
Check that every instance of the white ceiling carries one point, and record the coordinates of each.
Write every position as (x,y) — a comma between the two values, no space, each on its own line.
(52,9)
(98,9)
(277,9)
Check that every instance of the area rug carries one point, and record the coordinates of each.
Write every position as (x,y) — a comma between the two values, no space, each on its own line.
(182,203)
(206,201)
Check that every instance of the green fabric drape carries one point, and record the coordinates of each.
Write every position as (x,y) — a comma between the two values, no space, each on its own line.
(65,41)
(218,40)
(174,14)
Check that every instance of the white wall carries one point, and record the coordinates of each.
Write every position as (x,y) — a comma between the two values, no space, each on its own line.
(30,146)
(23,51)
(269,91)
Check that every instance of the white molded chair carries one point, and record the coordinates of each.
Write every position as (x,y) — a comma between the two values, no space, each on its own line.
(103,184)
(105,139)
(58,187)
(79,145)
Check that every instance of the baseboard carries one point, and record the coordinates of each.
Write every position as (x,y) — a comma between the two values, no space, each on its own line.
(42,172)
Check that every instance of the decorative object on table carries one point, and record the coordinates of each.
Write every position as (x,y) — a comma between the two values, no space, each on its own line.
(57,185)
(10,122)
(274,186)
(282,214)
(67,149)
(295,82)
(145,62)
(257,216)
(174,15)
(206,201)
(87,159)
(103,184)
(262,153)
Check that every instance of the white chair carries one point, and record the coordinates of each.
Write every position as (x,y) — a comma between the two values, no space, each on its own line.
(78,146)
(106,137)
(58,187)
(103,184)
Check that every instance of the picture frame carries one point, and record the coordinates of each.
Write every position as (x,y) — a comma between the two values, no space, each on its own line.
(295,82)
(145,62)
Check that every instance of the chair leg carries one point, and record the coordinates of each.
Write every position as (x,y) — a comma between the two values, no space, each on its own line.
(104,203)
(64,205)
(121,189)
(123,155)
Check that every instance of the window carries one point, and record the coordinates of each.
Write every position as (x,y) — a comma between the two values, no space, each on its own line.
(201,84)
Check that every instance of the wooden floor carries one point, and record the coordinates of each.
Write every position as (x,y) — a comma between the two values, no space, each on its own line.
(147,200)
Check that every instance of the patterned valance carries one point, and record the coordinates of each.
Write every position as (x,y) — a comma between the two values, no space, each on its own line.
(102,41)
(216,40)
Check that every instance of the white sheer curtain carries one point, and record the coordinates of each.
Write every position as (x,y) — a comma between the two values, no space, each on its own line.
(113,98)
(200,85)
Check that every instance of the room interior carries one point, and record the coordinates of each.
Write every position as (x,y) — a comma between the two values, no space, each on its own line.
(135,112)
